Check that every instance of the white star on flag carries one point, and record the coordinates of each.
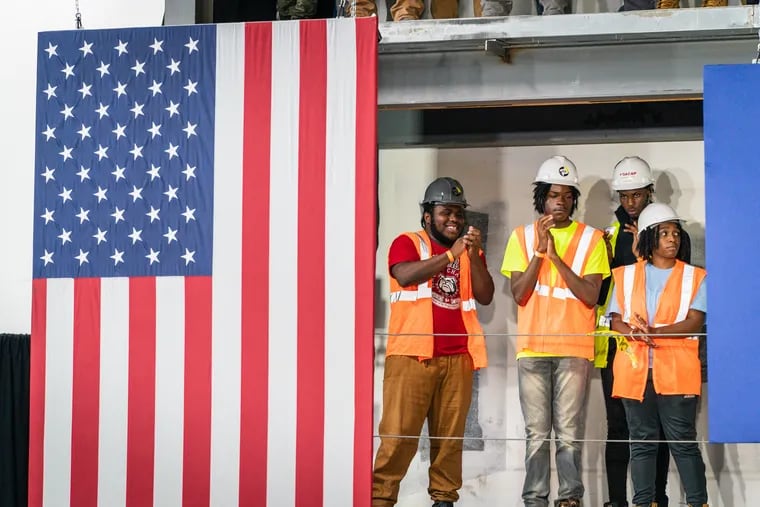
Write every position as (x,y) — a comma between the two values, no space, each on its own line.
(136,193)
(153,214)
(189,256)
(138,68)
(65,194)
(192,45)
(172,151)
(103,69)
(48,174)
(68,71)
(100,236)
(85,90)
(190,129)
(135,236)
(82,257)
(48,215)
(64,236)
(84,173)
(156,46)
(118,256)
(49,133)
(171,235)
(86,49)
(47,257)
(50,92)
(152,256)
(117,215)
(101,152)
(121,47)
(51,50)
(83,215)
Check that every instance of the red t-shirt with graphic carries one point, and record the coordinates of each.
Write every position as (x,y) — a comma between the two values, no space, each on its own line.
(447,317)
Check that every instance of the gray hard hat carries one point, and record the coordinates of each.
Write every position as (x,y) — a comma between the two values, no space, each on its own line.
(445,191)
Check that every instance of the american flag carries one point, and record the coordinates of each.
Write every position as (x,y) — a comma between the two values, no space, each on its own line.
(204,241)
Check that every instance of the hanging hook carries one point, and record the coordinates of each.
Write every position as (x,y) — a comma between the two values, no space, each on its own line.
(78,15)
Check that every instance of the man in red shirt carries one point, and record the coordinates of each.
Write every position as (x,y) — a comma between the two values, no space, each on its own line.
(434,343)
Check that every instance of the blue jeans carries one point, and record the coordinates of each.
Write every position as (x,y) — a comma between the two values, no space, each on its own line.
(553,394)
(678,415)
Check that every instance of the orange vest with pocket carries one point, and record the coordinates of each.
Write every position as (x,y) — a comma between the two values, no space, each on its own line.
(410,330)
(676,368)
(552,309)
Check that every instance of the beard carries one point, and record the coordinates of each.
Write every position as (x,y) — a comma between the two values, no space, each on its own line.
(440,238)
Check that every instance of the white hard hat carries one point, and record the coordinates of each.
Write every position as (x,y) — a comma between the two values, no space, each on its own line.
(631,173)
(558,170)
(656,213)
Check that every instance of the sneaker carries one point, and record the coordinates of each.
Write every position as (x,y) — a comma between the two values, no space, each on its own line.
(567,502)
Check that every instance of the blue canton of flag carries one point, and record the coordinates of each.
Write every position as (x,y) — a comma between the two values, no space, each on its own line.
(124,164)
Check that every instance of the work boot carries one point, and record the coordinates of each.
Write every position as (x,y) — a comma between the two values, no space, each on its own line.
(668,4)
(443,504)
(714,3)
(567,502)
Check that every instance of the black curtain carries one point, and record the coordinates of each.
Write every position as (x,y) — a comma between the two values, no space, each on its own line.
(14,419)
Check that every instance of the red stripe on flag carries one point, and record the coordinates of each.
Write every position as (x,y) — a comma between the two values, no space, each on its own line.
(255,269)
(196,464)
(85,393)
(311,264)
(37,391)
(366,244)
(141,404)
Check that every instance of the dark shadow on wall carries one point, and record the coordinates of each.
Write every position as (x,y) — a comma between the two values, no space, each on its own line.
(597,204)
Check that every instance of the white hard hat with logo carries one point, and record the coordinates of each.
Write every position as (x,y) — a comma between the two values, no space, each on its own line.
(631,173)
(558,170)
(656,213)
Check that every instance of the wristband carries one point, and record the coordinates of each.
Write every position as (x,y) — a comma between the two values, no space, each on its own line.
(539,254)
(450,255)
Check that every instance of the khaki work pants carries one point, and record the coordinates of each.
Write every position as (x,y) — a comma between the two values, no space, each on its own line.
(439,389)
(676,4)
(364,8)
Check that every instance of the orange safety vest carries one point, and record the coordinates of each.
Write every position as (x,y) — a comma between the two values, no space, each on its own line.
(552,308)
(675,362)
(410,330)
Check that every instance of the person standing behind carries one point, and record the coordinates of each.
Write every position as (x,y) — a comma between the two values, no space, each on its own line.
(556,266)
(633,182)
(434,343)
(660,302)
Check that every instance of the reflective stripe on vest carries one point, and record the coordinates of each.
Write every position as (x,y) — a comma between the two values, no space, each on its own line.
(577,262)
(687,293)
(553,320)
(675,361)
(410,326)
(423,290)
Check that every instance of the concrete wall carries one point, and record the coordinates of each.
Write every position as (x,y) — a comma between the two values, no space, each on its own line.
(497,182)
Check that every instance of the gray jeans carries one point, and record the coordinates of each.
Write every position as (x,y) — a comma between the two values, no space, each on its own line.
(553,394)
(495,8)
(678,415)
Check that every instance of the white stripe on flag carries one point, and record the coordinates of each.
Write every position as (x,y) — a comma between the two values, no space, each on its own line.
(283,265)
(170,382)
(340,262)
(226,284)
(114,388)
(59,371)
